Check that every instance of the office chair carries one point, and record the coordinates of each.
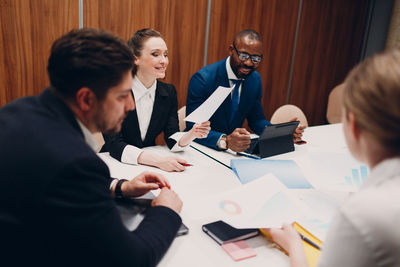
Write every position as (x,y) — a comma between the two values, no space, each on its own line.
(287,112)
(334,109)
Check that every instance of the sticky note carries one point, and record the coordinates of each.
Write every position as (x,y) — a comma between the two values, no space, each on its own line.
(239,250)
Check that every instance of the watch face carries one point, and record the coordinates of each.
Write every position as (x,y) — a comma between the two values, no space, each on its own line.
(222,144)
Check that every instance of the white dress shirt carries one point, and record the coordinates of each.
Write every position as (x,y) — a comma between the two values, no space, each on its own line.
(144,102)
(366,230)
(89,138)
(232,76)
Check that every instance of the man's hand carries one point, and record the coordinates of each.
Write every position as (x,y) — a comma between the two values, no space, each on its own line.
(169,199)
(298,133)
(143,183)
(238,140)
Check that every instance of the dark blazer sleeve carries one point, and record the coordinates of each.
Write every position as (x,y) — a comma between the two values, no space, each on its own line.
(115,144)
(172,123)
(82,213)
(129,134)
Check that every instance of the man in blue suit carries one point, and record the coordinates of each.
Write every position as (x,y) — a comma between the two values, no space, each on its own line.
(245,101)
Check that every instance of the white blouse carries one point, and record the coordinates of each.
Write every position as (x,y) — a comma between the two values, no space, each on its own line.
(144,102)
(366,230)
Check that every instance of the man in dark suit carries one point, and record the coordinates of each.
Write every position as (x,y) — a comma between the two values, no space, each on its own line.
(245,101)
(56,206)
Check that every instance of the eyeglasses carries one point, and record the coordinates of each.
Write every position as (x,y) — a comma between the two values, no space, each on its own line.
(243,56)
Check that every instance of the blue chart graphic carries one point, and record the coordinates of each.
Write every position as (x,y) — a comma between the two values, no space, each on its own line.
(358,176)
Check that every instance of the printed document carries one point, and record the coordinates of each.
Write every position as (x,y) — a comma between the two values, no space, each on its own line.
(207,109)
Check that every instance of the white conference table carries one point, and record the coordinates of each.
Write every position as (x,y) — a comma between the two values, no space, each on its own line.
(207,177)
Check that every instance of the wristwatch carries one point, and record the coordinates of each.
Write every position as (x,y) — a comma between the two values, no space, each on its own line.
(118,191)
(222,144)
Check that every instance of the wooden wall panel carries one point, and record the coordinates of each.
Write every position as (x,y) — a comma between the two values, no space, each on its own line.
(328,44)
(328,47)
(275,20)
(182,24)
(27,30)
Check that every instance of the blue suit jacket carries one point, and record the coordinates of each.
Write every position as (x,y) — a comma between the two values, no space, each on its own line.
(204,82)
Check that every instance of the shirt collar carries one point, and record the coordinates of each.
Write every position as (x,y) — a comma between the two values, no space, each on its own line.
(141,90)
(89,139)
(231,74)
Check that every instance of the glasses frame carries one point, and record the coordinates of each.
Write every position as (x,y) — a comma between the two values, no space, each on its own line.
(243,56)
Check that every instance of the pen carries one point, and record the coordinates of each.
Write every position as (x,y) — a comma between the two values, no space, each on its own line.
(247,155)
(186,164)
(309,242)
(205,154)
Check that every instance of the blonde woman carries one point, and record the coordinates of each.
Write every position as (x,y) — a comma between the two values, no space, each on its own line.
(366,229)
(156,109)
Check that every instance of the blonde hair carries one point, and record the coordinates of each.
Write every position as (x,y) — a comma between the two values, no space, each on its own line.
(372,93)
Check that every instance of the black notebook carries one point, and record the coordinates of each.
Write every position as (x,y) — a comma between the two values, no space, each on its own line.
(223,233)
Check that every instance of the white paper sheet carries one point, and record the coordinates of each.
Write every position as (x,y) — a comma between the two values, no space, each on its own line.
(266,202)
(206,110)
(240,203)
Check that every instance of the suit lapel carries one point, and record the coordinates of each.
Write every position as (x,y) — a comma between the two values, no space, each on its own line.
(133,121)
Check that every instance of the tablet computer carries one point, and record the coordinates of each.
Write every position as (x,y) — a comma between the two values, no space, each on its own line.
(275,139)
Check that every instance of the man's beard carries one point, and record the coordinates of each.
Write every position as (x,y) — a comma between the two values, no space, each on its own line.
(105,127)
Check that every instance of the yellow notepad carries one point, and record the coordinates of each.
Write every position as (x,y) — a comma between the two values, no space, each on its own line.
(312,253)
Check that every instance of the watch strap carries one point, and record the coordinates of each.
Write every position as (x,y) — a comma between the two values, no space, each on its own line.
(118,191)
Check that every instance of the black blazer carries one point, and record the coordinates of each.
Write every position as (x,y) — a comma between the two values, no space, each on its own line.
(163,119)
(56,208)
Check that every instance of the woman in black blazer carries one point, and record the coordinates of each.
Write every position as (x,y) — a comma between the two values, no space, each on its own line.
(156,109)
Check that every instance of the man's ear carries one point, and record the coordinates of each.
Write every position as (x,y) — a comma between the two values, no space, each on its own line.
(355,130)
(85,99)
(231,49)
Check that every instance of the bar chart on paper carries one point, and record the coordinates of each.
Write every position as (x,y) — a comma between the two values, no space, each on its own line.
(357,177)
(337,170)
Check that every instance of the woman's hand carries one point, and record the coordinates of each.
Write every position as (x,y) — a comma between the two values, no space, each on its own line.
(171,164)
(200,130)
(289,239)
